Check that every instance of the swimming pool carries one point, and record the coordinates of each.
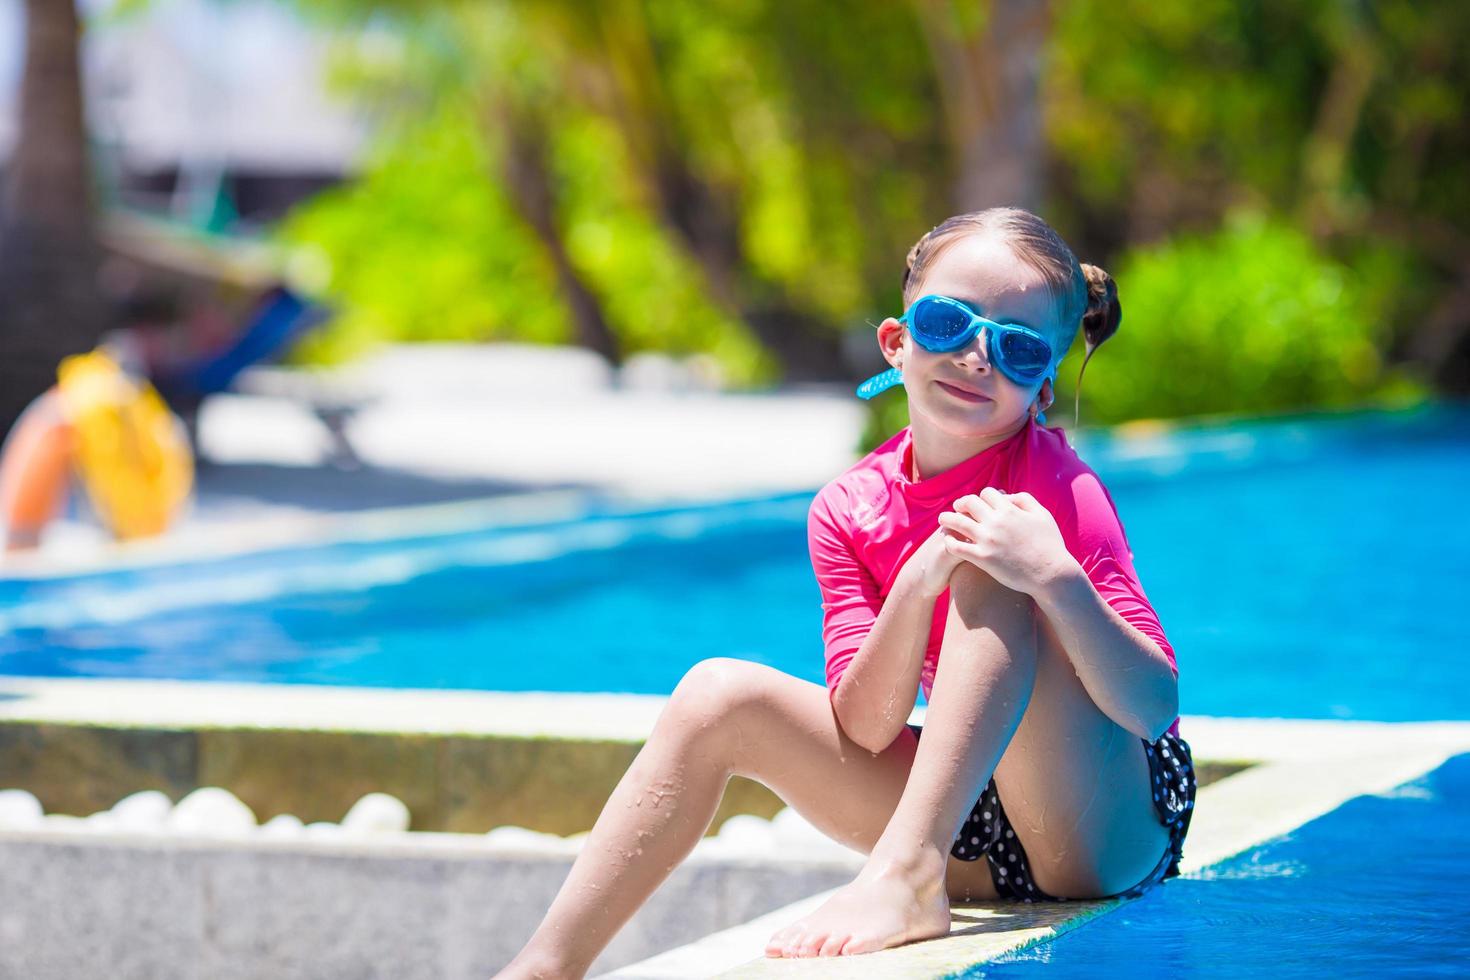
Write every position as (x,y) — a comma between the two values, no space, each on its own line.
(1306,567)
(1375,888)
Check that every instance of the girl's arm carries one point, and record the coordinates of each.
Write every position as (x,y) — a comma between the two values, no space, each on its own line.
(1127,675)
(878,689)
(875,645)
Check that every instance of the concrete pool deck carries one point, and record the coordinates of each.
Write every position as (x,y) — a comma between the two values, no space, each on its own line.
(1297,770)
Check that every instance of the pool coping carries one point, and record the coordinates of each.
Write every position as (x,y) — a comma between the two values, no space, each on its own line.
(1312,766)
(313,707)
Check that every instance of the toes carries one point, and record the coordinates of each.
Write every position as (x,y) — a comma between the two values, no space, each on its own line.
(811,944)
(833,945)
(790,941)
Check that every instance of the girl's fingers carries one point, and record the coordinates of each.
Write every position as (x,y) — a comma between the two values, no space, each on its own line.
(992,496)
(962,549)
(973,505)
(959,523)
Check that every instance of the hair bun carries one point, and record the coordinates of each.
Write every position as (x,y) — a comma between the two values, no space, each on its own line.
(1104,313)
(1099,321)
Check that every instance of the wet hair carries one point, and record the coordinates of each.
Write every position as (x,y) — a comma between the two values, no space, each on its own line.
(1084,296)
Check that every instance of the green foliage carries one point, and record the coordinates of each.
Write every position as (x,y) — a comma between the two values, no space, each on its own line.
(651,293)
(1252,318)
(1160,99)
(1343,118)
(822,152)
(423,247)
(732,162)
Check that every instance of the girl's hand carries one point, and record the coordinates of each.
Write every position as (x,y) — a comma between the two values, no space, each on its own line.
(1010,536)
(929,568)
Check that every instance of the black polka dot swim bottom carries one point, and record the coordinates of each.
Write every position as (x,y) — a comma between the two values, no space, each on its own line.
(988,833)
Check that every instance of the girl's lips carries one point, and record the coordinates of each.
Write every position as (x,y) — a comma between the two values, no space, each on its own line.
(968,396)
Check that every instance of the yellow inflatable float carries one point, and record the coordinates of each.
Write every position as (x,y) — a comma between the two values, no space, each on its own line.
(115,432)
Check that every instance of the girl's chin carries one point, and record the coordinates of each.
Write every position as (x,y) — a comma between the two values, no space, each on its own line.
(978,421)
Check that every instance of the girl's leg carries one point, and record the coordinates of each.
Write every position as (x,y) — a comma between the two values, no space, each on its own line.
(726,717)
(982,687)
(1076,787)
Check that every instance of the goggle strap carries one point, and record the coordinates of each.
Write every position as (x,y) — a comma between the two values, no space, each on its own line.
(880,383)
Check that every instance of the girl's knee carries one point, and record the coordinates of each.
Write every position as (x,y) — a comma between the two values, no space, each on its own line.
(972,589)
(713,689)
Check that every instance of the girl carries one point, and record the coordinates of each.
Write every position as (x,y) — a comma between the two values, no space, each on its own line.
(974,554)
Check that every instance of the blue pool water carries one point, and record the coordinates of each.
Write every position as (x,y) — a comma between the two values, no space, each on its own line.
(1306,568)
(1376,888)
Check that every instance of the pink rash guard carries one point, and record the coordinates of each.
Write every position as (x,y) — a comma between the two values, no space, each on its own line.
(865,524)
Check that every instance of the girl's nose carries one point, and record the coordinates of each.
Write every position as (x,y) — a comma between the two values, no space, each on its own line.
(976,351)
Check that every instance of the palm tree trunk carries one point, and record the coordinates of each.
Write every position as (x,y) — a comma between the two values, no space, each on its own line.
(990,92)
(704,216)
(50,303)
(526,173)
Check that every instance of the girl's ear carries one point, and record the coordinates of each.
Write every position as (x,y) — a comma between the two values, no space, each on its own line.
(890,340)
(1045,396)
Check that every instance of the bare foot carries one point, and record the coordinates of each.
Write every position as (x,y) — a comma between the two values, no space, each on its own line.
(881,908)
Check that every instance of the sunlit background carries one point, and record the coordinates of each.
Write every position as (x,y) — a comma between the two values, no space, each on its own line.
(500,347)
(1277,188)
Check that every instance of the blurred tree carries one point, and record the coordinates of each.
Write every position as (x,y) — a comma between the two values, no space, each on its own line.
(744,176)
(1250,318)
(989,59)
(790,168)
(50,302)
(1345,114)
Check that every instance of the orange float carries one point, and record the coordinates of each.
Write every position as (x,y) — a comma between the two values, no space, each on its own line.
(35,471)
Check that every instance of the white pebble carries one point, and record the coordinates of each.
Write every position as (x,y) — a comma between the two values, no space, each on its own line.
(283,826)
(145,811)
(211,811)
(376,813)
(101,820)
(323,830)
(65,821)
(19,810)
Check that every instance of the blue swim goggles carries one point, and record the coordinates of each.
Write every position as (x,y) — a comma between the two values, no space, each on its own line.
(941,324)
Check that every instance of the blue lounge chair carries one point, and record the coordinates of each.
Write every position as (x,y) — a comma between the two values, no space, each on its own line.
(279,320)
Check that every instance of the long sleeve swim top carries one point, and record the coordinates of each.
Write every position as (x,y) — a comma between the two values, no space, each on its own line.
(865,524)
